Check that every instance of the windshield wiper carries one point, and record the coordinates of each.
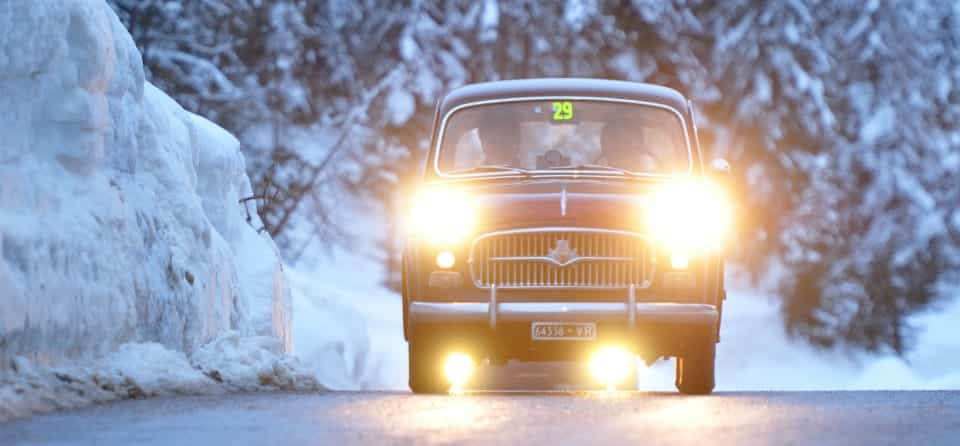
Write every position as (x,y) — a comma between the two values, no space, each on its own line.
(489,168)
(594,167)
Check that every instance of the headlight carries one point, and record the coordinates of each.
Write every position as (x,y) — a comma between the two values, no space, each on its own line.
(442,217)
(689,217)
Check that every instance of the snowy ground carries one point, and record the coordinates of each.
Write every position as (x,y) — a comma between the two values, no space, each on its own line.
(755,354)
(348,329)
(139,370)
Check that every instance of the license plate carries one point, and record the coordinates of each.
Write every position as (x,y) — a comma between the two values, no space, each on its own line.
(564,331)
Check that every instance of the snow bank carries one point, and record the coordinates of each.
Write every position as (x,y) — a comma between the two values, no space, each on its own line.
(143,370)
(755,353)
(119,211)
(348,328)
(120,219)
(252,363)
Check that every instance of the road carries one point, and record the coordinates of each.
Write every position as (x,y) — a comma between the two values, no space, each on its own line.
(344,418)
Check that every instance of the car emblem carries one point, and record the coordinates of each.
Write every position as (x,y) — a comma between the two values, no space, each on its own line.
(563,254)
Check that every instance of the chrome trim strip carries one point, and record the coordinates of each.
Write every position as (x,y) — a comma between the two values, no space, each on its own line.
(563,200)
(493,308)
(556,229)
(477,282)
(553,261)
(696,132)
(666,312)
(449,312)
(574,172)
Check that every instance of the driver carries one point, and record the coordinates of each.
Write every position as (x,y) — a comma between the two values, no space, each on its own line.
(624,145)
(500,138)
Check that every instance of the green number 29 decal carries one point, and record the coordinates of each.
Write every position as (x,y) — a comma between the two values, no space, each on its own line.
(562,110)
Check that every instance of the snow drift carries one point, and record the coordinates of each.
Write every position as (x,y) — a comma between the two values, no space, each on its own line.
(120,212)
(140,370)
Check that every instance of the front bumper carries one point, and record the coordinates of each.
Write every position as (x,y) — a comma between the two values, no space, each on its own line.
(503,330)
(525,312)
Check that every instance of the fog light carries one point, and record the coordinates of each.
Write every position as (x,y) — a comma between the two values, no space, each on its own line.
(679,261)
(446,259)
(611,366)
(458,369)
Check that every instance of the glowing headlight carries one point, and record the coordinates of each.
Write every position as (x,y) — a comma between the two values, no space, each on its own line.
(458,368)
(689,217)
(442,217)
(611,365)
(446,259)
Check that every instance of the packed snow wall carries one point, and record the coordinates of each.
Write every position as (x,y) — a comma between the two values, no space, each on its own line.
(120,213)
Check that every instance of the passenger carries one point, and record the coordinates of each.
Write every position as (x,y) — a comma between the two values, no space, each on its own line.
(624,145)
(500,140)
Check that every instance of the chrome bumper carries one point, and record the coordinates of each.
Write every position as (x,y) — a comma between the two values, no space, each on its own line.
(494,313)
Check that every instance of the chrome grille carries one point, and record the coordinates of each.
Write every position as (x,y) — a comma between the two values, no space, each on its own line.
(561,258)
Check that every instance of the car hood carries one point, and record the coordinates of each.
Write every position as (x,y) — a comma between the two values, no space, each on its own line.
(563,203)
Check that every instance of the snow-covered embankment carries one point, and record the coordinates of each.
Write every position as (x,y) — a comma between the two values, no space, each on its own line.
(128,265)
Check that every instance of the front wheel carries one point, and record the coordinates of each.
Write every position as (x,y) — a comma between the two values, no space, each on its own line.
(695,370)
(425,368)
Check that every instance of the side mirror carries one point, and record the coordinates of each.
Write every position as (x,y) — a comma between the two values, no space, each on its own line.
(720,167)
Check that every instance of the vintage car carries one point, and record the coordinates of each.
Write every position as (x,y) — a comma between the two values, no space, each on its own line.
(565,220)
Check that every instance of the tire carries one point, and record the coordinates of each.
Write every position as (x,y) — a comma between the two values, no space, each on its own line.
(696,370)
(425,368)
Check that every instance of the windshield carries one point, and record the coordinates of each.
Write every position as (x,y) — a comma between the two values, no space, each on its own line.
(550,135)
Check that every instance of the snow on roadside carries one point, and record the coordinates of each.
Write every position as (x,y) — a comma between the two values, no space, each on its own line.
(252,363)
(755,353)
(120,212)
(129,267)
(141,370)
(933,363)
(347,327)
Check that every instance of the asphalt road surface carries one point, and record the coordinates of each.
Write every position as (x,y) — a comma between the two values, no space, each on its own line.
(558,418)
